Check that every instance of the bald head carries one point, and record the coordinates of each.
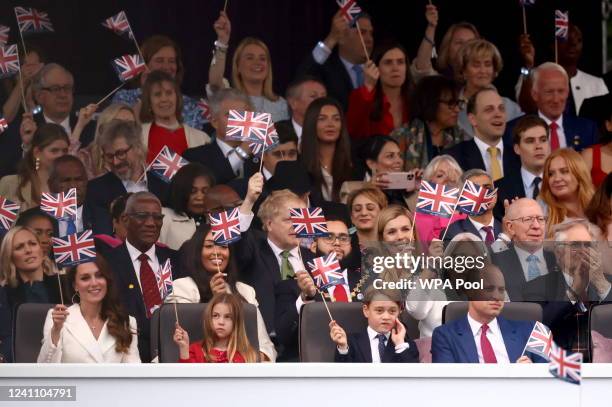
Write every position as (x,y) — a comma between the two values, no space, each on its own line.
(526,224)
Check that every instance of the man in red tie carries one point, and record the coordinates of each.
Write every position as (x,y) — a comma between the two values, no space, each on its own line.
(482,336)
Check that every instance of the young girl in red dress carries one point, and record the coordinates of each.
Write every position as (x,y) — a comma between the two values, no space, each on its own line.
(225,339)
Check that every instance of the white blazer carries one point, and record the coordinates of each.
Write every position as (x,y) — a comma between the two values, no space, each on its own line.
(185,290)
(194,137)
(176,229)
(77,343)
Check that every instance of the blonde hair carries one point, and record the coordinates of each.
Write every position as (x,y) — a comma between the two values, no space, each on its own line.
(268,92)
(478,48)
(389,213)
(274,203)
(238,341)
(8,271)
(371,192)
(556,211)
(444,59)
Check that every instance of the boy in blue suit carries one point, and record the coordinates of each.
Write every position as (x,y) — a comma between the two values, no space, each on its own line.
(482,336)
(383,341)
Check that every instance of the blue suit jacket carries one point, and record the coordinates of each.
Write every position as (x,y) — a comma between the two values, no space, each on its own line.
(464,225)
(453,342)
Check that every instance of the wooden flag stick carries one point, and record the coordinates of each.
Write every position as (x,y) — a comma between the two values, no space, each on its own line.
(413,225)
(365,50)
(524,20)
(319,291)
(556,51)
(136,42)
(23,98)
(25,51)
(59,284)
(225,6)
(453,213)
(176,313)
(112,92)
(217,256)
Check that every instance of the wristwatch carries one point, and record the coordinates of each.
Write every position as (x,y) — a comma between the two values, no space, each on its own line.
(525,71)
(241,153)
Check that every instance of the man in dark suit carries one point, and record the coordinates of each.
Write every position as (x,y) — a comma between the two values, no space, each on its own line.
(550,90)
(530,143)
(53,89)
(224,157)
(299,94)
(525,260)
(136,261)
(340,70)
(482,336)
(385,340)
(484,225)
(124,153)
(487,150)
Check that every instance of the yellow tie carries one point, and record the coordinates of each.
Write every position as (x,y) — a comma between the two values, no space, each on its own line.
(496,171)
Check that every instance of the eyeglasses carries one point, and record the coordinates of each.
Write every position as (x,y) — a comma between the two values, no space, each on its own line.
(529,219)
(56,89)
(453,103)
(119,154)
(342,238)
(143,216)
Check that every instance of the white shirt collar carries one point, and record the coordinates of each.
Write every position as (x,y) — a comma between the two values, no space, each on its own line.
(482,147)
(523,254)
(64,123)
(225,148)
(266,173)
(277,250)
(479,225)
(475,326)
(559,121)
(135,253)
(372,334)
(528,177)
(298,130)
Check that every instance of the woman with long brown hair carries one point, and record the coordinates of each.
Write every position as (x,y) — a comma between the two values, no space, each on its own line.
(95,329)
(599,210)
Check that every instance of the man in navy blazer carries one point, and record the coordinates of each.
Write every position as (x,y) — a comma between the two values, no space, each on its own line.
(550,90)
(482,336)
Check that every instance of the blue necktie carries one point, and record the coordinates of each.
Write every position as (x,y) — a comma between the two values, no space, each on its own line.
(382,339)
(358,75)
(533,270)
(70,227)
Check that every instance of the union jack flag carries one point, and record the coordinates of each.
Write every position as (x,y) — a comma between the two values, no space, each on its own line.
(436,199)
(326,272)
(74,249)
(565,366)
(167,163)
(129,66)
(350,10)
(31,20)
(561,24)
(119,24)
(225,226)
(8,213)
(244,125)
(308,222)
(204,108)
(9,61)
(4,34)
(164,279)
(3,124)
(271,141)
(61,206)
(475,199)
(540,341)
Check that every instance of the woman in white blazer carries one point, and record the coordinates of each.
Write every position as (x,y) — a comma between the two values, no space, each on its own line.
(94,329)
(161,117)
(186,208)
(213,271)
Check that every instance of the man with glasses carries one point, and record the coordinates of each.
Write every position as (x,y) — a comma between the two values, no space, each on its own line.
(525,259)
(136,262)
(124,154)
(53,89)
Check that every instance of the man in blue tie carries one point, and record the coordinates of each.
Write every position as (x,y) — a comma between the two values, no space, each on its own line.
(68,172)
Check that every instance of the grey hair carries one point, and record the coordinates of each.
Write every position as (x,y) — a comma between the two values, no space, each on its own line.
(559,231)
(39,82)
(514,207)
(227,94)
(140,196)
(475,172)
(546,66)
(462,238)
(436,161)
(120,128)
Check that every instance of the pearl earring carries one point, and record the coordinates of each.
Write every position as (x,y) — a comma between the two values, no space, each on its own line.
(37,163)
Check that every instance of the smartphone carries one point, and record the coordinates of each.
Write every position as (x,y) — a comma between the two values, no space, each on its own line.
(401,180)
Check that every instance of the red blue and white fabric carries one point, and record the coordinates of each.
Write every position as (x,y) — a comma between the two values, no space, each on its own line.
(119,24)
(225,226)
(350,10)
(326,271)
(3,124)
(74,249)
(4,34)
(8,213)
(61,206)
(31,20)
(9,61)
(565,366)
(335,296)
(308,222)
(247,126)
(475,199)
(204,108)
(271,141)
(129,66)
(540,341)
(167,163)
(561,24)
(436,199)
(164,279)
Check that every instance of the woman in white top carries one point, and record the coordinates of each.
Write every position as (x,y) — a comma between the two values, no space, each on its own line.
(213,271)
(93,330)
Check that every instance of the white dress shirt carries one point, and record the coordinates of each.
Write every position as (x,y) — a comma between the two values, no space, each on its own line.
(494,336)
(528,184)
(479,226)
(230,153)
(298,131)
(560,131)
(523,254)
(135,253)
(294,256)
(65,123)
(486,158)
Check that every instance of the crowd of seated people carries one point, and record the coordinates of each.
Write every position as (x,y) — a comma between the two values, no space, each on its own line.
(359,128)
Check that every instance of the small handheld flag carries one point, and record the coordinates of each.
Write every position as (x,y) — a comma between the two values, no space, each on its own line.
(271,141)
(74,249)
(225,226)
(164,279)
(247,126)
(129,66)
(167,163)
(8,213)
(204,108)
(119,24)
(9,61)
(4,34)
(3,124)
(350,10)
(326,271)
(31,20)
(561,24)
(436,199)
(565,366)
(475,199)
(61,206)
(308,222)
(540,341)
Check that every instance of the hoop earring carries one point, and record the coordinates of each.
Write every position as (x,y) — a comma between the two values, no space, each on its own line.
(37,163)
(76,293)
